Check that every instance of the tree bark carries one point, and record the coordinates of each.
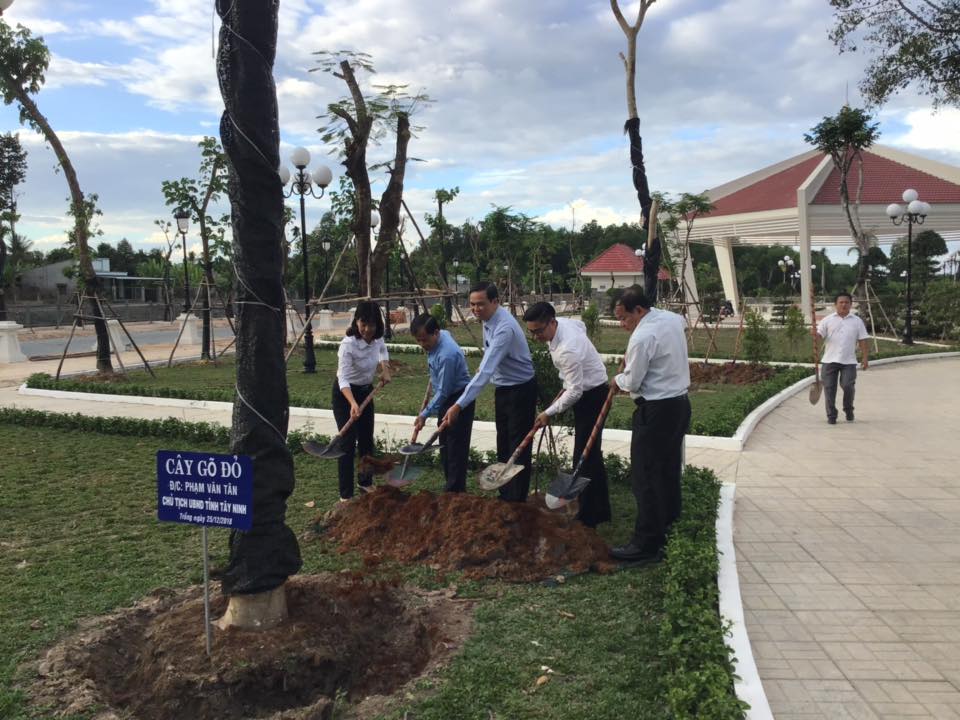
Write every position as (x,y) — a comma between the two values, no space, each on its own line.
(81,227)
(260,560)
(3,265)
(390,206)
(201,210)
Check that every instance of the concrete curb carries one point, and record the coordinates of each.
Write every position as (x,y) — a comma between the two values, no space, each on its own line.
(749,687)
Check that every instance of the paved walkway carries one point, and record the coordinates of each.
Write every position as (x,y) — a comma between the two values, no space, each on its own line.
(848,550)
(846,536)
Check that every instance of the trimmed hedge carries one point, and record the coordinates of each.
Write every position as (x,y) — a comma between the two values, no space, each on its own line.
(698,668)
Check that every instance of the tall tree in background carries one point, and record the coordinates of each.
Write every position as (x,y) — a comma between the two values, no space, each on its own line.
(352,123)
(23,62)
(844,137)
(13,168)
(441,230)
(912,42)
(651,265)
(928,245)
(260,560)
(195,195)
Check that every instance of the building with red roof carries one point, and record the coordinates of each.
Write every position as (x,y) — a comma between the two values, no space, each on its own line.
(797,203)
(617,267)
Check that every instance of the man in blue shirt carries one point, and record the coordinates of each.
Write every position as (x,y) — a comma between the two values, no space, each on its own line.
(448,376)
(507,363)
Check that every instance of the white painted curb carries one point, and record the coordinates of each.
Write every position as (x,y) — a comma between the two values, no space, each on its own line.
(749,687)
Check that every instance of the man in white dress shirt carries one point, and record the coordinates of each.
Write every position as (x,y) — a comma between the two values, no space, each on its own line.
(585,388)
(656,374)
(842,332)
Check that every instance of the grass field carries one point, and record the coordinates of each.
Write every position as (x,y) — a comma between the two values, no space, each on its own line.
(79,537)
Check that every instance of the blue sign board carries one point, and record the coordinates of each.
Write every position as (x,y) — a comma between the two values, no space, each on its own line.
(205,489)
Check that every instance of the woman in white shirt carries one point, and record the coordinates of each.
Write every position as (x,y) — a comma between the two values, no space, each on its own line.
(361,351)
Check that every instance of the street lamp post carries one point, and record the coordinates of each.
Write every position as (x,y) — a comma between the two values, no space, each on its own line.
(302,185)
(915,213)
(785,265)
(183,225)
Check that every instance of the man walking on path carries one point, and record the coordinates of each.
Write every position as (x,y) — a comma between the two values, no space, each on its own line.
(506,362)
(585,388)
(448,377)
(656,374)
(842,332)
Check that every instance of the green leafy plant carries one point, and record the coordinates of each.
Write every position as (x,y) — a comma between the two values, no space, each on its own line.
(756,338)
(439,314)
(591,319)
(794,329)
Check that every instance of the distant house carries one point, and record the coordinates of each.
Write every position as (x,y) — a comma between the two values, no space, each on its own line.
(47,281)
(617,267)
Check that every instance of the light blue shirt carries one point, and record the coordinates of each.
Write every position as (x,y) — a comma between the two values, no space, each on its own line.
(506,357)
(657,366)
(448,372)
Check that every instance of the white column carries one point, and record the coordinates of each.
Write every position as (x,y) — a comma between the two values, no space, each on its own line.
(9,343)
(294,324)
(803,239)
(118,338)
(728,271)
(324,321)
(191,332)
(690,292)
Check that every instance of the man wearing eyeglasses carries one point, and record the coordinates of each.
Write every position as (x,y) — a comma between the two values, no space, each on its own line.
(584,389)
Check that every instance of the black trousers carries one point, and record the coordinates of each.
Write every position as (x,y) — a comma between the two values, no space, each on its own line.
(847,375)
(515,409)
(595,498)
(656,464)
(455,445)
(359,437)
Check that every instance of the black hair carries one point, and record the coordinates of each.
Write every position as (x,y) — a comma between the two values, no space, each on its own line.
(424,321)
(842,294)
(540,312)
(634,297)
(488,287)
(369,312)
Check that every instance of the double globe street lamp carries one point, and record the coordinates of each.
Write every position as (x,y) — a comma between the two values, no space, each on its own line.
(915,213)
(183,225)
(302,185)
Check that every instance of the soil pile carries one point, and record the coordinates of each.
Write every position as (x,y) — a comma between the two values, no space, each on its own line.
(346,636)
(734,374)
(483,537)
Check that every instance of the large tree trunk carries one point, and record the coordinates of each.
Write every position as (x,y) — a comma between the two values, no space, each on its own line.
(3,265)
(390,207)
(81,228)
(260,560)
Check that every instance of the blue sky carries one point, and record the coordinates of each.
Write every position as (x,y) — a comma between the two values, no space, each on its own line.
(529,99)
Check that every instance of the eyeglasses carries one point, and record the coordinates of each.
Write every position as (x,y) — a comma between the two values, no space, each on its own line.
(537,332)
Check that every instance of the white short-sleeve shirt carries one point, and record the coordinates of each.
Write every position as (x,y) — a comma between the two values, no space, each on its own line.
(357,360)
(841,335)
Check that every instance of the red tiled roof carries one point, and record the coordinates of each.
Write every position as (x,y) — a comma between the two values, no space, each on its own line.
(775,192)
(884,182)
(620,258)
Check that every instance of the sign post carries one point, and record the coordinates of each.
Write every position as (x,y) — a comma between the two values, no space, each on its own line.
(205,489)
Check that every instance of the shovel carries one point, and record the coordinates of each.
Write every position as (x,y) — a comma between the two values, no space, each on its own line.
(567,486)
(405,476)
(499,474)
(335,449)
(817,386)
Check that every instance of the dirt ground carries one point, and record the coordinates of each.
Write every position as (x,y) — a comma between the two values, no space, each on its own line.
(350,641)
(482,537)
(733,373)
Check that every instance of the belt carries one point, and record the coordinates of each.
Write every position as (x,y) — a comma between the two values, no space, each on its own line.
(641,400)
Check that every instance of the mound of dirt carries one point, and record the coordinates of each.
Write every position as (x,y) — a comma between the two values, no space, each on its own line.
(482,537)
(730,373)
(346,638)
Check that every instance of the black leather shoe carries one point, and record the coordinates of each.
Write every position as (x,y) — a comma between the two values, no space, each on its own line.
(832,421)
(631,552)
(849,416)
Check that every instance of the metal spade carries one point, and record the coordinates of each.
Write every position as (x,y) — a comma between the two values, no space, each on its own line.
(499,474)
(407,475)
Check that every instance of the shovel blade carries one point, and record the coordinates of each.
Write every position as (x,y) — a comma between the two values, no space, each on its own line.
(566,486)
(327,452)
(497,475)
(815,391)
(398,478)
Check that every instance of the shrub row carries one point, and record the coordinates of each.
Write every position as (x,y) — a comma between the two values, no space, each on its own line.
(698,669)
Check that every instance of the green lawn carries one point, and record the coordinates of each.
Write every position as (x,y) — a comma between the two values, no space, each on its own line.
(614,341)
(79,537)
(711,403)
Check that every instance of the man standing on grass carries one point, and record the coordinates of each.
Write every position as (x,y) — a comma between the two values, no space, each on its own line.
(656,374)
(842,332)
(506,362)
(585,388)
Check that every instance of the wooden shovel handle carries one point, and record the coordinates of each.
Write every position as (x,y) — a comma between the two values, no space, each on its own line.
(423,405)
(529,437)
(363,406)
(597,425)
